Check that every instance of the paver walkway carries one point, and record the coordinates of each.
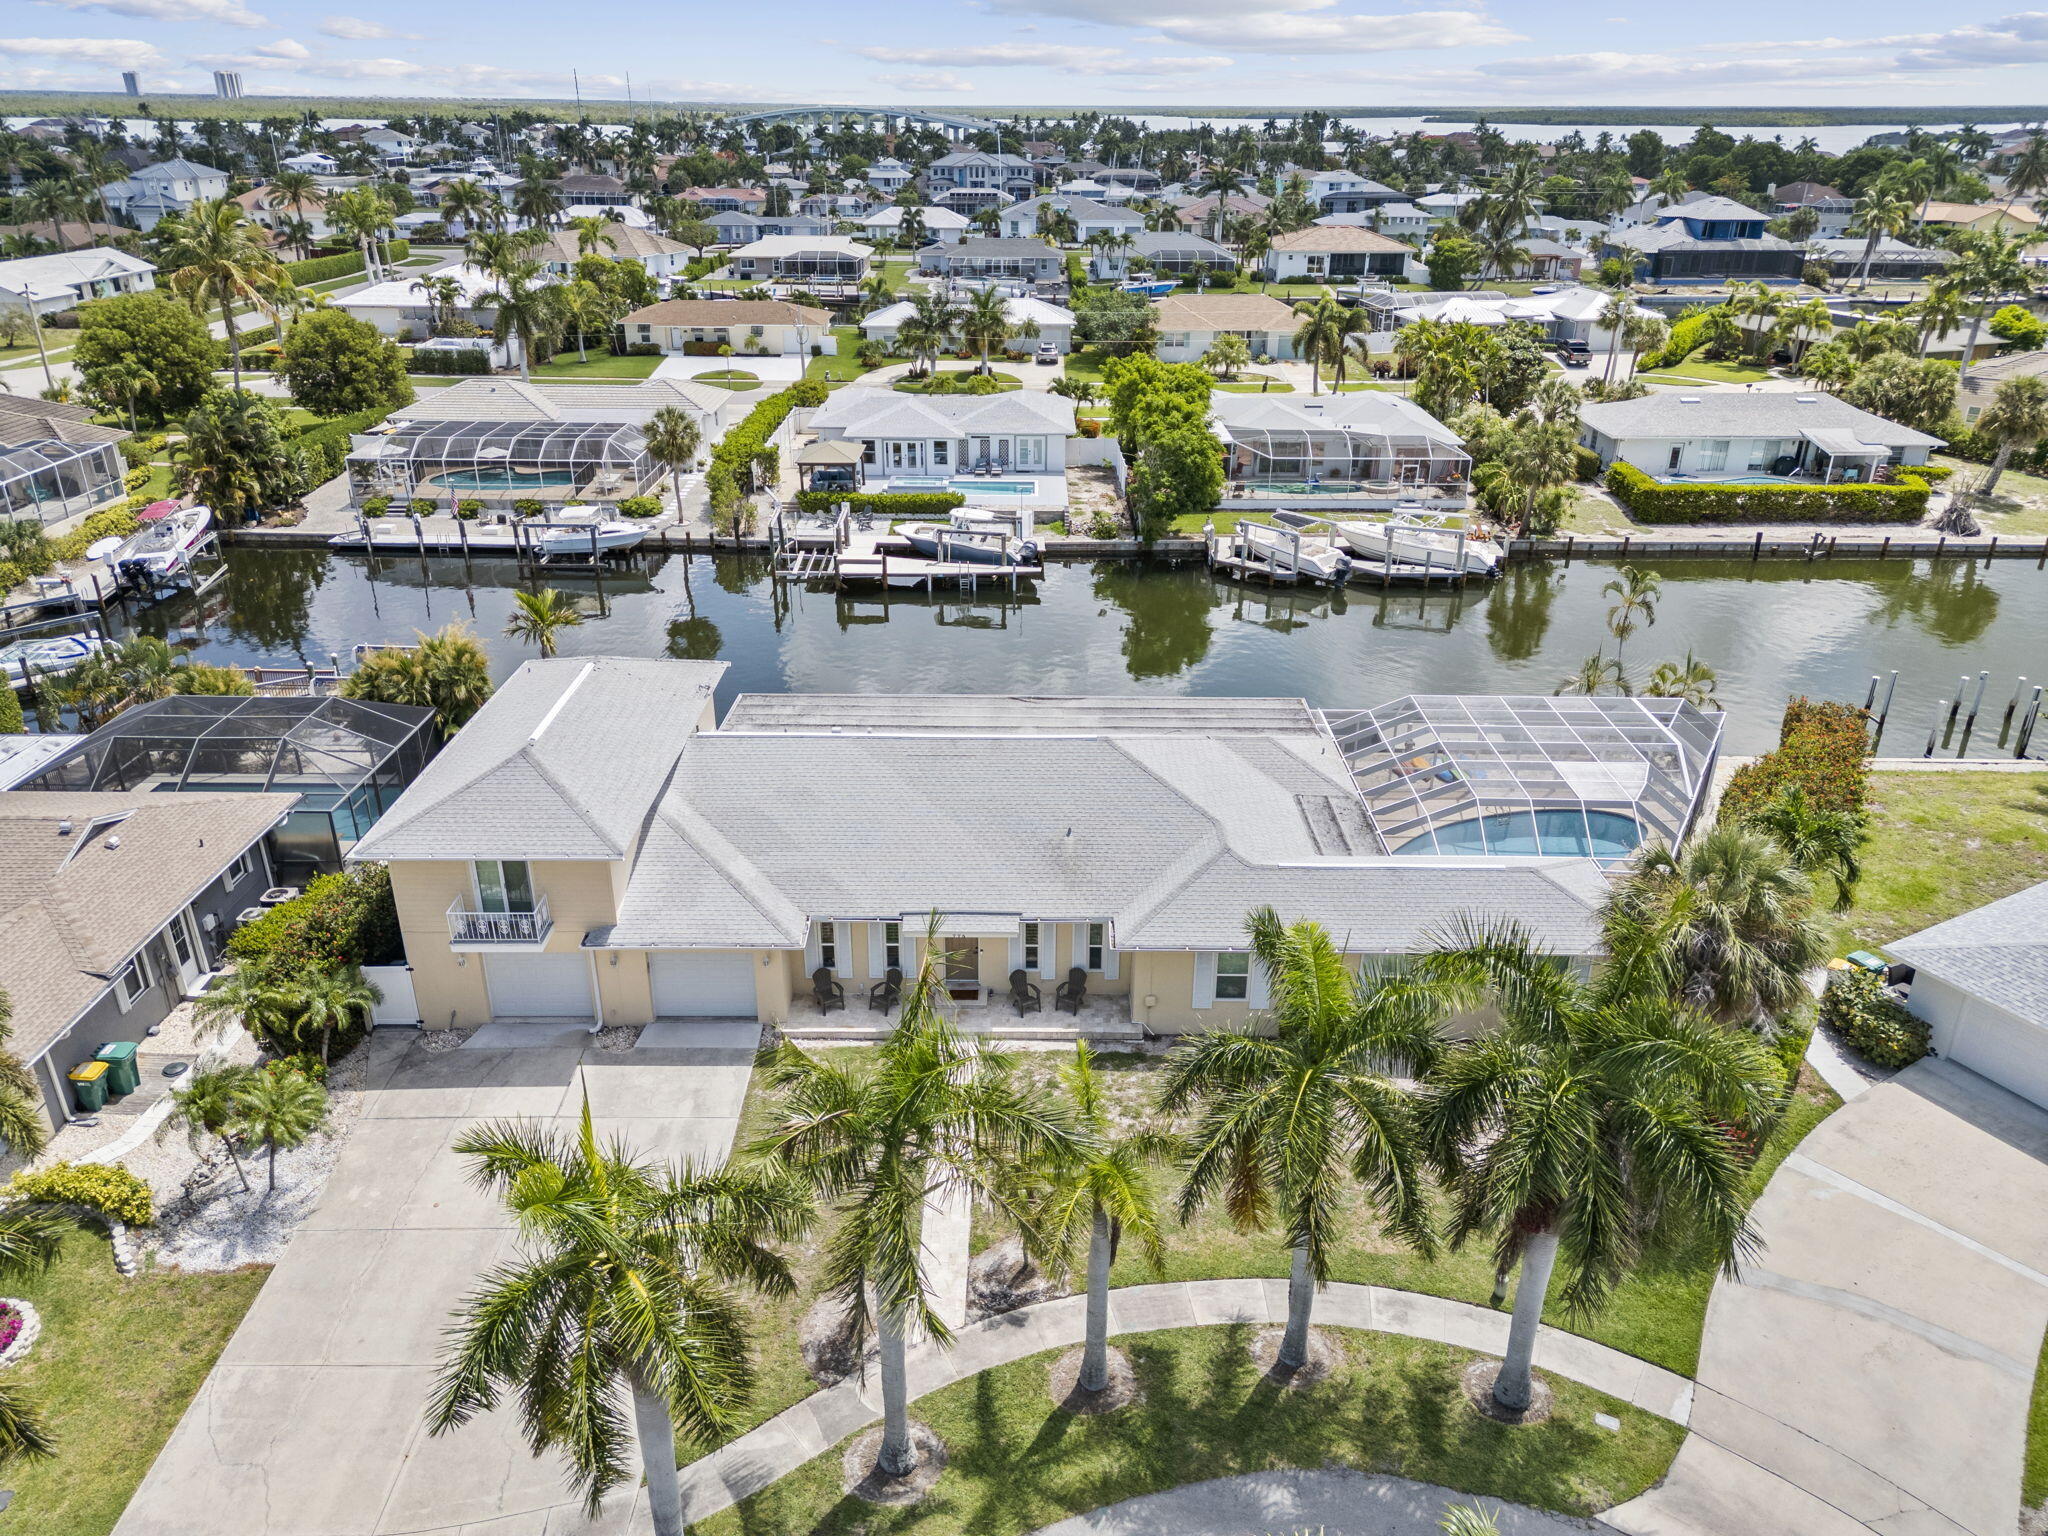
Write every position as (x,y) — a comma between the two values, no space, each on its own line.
(1872,1371)
(1330,1503)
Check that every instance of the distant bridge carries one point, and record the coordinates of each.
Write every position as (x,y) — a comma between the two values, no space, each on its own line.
(952,124)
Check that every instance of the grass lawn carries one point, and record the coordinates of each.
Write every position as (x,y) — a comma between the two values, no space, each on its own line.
(1007,381)
(116,1365)
(1084,363)
(1189,525)
(2034,1473)
(158,486)
(601,365)
(731,378)
(2018,508)
(1589,514)
(1699,371)
(842,366)
(1394,1405)
(1254,384)
(1941,844)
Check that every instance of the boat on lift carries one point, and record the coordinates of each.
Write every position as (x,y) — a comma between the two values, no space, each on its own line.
(969,542)
(1312,556)
(570,532)
(1411,534)
(53,656)
(160,553)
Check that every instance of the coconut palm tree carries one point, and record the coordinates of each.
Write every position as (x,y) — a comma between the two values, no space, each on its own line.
(672,438)
(928,329)
(205,1109)
(624,1289)
(1990,266)
(536,202)
(1635,594)
(1691,680)
(49,201)
(1881,212)
(2017,417)
(1220,182)
(1323,335)
(1287,1108)
(2028,170)
(1589,1125)
(282,1109)
(929,1111)
(985,323)
(215,254)
(1819,841)
(593,235)
(23,1130)
(1727,926)
(465,202)
(541,616)
(122,380)
(1106,1190)
(526,306)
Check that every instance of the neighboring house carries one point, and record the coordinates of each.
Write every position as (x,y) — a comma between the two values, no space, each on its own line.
(1090,217)
(699,327)
(611,213)
(1336,442)
(905,434)
(66,234)
(982,257)
(1403,220)
(56,462)
(1980,981)
(1190,323)
(1135,180)
(116,907)
(1677,436)
(65,279)
(596,847)
(167,187)
(1834,210)
(889,176)
(712,200)
(313,163)
(659,255)
(268,209)
(1169,254)
(746,228)
(595,191)
(1890,259)
(802,258)
(1977,391)
(1549,260)
(1337,253)
(1349,192)
(1200,213)
(1052,325)
(942,226)
(1007,177)
(2018,219)
(401,306)
(1707,239)
(1443,206)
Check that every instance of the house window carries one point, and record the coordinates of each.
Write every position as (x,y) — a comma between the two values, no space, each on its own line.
(504,885)
(1233,976)
(132,981)
(237,872)
(1031,946)
(892,946)
(1714,456)
(940,450)
(867,450)
(828,946)
(1095,946)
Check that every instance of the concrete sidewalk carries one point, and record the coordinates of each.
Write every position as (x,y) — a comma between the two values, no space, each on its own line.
(1872,1371)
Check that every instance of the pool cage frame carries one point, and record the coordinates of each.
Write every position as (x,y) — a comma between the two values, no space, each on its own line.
(78,476)
(1333,454)
(1431,762)
(606,460)
(1177,255)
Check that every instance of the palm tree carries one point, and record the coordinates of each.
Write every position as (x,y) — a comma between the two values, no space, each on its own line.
(1939,312)
(1220,182)
(448,671)
(298,191)
(1321,338)
(1597,674)
(1819,841)
(671,439)
(526,308)
(1691,680)
(1881,212)
(2028,171)
(325,1000)
(215,253)
(1635,594)
(1285,1108)
(536,202)
(123,379)
(468,202)
(929,1111)
(205,1107)
(985,322)
(48,201)
(1106,1191)
(30,1236)
(541,616)
(280,1108)
(583,307)
(1589,1124)
(1468,1520)
(23,1131)
(928,329)
(2017,417)
(1727,926)
(593,234)
(624,1287)
(1990,266)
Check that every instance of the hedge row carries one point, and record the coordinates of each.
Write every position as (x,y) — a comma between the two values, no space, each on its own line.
(1823,746)
(883,503)
(1871,1020)
(326,443)
(443,360)
(320,269)
(748,443)
(1652,501)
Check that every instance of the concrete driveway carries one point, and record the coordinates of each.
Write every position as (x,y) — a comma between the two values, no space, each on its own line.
(310,1424)
(1872,1371)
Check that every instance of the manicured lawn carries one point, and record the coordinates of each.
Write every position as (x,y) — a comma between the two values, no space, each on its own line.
(842,366)
(158,485)
(600,365)
(116,1365)
(2034,1475)
(1698,371)
(1394,1406)
(1189,526)
(1084,363)
(1008,381)
(1254,384)
(731,378)
(1941,844)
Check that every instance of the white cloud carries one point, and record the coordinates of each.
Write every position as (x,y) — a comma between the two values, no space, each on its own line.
(926,81)
(1118,12)
(120,52)
(1072,59)
(1322,31)
(227,12)
(358,30)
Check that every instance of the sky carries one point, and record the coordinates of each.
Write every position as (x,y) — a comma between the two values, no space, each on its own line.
(957,53)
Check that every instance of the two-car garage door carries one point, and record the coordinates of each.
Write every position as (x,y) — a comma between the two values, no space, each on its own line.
(702,984)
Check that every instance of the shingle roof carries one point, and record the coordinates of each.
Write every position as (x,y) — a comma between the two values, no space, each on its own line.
(891,413)
(564,763)
(1001,245)
(726,312)
(626,241)
(24,419)
(74,906)
(1225,312)
(1728,413)
(1998,952)
(1339,237)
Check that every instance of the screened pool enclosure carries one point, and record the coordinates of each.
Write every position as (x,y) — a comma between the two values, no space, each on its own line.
(49,480)
(502,461)
(346,759)
(1581,777)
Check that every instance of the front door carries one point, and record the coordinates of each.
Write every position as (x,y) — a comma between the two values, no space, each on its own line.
(186,952)
(962,958)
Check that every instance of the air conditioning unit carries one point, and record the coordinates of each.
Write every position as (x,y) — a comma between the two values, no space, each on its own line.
(208,922)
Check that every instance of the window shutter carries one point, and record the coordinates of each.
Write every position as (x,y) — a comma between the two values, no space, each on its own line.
(878,952)
(1257,992)
(1109,955)
(842,934)
(1205,979)
(813,955)
(1049,951)
(1016,951)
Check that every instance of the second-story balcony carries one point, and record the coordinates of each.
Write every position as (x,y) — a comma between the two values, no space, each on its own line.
(469,928)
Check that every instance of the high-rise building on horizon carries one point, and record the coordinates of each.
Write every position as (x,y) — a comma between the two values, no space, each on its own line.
(131,82)
(227,84)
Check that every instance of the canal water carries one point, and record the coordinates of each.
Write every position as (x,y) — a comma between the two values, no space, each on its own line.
(1117,627)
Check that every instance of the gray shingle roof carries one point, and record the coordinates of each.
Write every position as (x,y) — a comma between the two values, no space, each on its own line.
(1730,413)
(891,413)
(564,763)
(1998,952)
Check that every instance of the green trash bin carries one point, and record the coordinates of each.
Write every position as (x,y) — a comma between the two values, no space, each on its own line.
(123,1075)
(89,1085)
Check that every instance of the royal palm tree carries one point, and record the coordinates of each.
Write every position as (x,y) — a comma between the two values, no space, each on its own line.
(541,616)
(625,1288)
(671,439)
(1105,1190)
(205,1109)
(1821,842)
(1635,604)
(1285,1109)
(929,1112)
(282,1109)
(1588,1125)
(217,255)
(2017,417)
(1691,680)
(527,308)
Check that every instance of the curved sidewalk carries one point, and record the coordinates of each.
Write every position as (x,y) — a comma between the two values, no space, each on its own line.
(822,1420)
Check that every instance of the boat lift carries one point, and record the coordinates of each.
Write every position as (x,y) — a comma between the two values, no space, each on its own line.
(1233,554)
(852,551)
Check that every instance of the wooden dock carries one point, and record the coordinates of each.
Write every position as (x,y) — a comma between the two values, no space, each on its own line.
(846,554)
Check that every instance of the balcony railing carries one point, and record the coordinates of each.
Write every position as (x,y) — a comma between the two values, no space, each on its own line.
(468,926)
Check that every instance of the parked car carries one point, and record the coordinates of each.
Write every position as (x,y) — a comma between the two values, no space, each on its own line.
(1047,355)
(1574,354)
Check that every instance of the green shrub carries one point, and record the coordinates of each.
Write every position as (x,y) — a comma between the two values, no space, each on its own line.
(106,1188)
(464,360)
(376,506)
(1871,1020)
(136,478)
(344,919)
(1651,501)
(1823,747)
(116,521)
(320,269)
(469,507)
(747,443)
(1586,463)
(884,503)
(305,1063)
(423,505)
(640,506)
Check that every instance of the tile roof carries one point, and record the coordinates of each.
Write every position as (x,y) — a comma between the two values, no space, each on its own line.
(1224,312)
(726,312)
(1998,952)
(494,399)
(626,241)
(1339,237)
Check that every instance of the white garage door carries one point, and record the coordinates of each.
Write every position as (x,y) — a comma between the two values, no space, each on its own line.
(539,986)
(704,984)
(2009,1051)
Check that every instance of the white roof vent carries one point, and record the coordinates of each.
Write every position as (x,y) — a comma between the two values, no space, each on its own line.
(1807,399)
(1688,399)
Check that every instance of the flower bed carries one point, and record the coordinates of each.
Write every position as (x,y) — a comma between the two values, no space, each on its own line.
(20,1326)
(1650,500)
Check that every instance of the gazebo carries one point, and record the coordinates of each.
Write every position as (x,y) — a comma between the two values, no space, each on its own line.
(831,466)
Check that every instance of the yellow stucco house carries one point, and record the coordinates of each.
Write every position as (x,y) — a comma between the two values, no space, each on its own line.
(597,846)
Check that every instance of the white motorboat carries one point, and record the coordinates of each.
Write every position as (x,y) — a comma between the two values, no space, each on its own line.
(158,553)
(54,656)
(969,545)
(1290,549)
(571,530)
(1411,534)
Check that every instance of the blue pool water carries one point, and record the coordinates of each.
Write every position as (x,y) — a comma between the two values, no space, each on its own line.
(504,479)
(1000,487)
(965,486)
(1595,834)
(1726,480)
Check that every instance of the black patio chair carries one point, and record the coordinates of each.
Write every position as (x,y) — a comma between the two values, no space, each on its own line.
(886,993)
(1073,992)
(1024,996)
(829,993)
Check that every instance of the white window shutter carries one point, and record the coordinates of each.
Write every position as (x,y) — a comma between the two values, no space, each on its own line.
(1257,993)
(878,951)
(813,955)
(1205,979)
(1016,951)
(1109,956)
(842,934)
(1049,951)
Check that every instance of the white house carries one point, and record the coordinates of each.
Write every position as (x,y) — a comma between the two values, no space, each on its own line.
(1020,221)
(401,306)
(699,327)
(65,279)
(1720,434)
(1340,443)
(1980,981)
(1025,430)
(1338,253)
(1404,221)
(1348,192)
(167,187)
(1190,323)
(659,255)
(269,209)
(312,162)
(942,226)
(889,176)
(1051,324)
(802,258)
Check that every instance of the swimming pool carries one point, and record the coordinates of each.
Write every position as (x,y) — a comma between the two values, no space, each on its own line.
(503,479)
(1726,480)
(966,486)
(1587,834)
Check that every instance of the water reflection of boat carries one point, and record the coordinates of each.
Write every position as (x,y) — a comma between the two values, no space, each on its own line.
(52,656)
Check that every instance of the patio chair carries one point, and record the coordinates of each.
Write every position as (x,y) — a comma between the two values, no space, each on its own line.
(886,993)
(828,993)
(1024,996)
(1073,992)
